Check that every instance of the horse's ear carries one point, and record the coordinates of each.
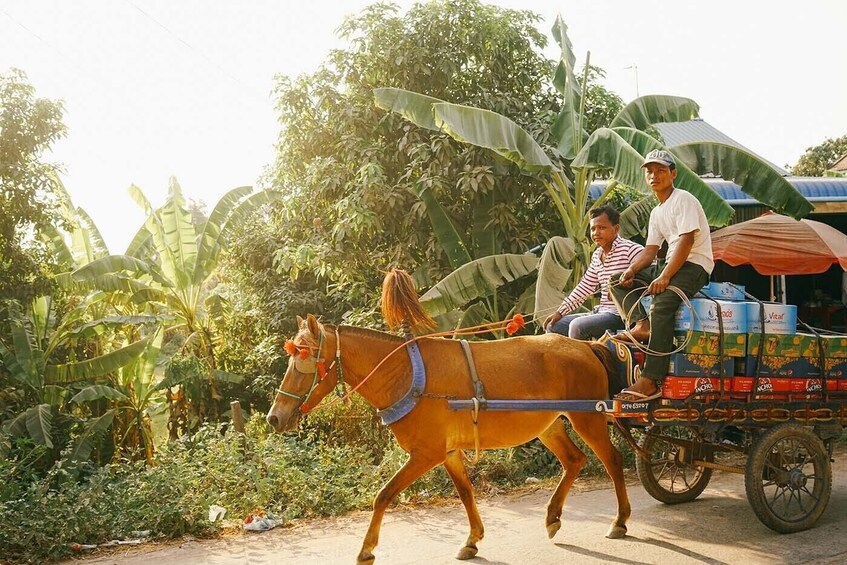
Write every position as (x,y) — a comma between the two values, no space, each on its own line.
(299,322)
(314,327)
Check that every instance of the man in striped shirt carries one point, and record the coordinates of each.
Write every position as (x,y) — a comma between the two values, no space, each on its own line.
(614,254)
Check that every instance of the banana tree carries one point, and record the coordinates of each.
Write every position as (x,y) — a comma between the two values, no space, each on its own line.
(46,381)
(579,158)
(169,265)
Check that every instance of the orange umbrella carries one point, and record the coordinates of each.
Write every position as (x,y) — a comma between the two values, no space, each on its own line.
(774,244)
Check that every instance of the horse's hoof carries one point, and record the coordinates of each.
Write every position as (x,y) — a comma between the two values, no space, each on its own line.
(467,552)
(553,527)
(365,559)
(616,532)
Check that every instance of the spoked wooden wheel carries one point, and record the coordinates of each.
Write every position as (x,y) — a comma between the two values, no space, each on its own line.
(788,478)
(668,475)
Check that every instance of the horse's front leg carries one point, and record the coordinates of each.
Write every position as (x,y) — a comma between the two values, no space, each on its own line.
(556,439)
(458,473)
(416,466)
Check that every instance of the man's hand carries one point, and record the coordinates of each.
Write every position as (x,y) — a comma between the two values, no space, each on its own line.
(626,278)
(659,284)
(552,319)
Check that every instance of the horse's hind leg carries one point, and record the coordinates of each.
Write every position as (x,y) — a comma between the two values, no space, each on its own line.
(416,466)
(572,460)
(592,428)
(456,469)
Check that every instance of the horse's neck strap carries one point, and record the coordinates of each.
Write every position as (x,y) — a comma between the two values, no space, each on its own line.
(409,400)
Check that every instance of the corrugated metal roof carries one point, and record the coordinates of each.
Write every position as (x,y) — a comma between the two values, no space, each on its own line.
(678,133)
(823,189)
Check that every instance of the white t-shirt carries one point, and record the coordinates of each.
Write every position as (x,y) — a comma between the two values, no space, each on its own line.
(682,213)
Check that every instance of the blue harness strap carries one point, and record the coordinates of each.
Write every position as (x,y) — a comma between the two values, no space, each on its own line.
(409,400)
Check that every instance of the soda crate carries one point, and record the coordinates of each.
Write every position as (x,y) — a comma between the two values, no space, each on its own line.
(783,367)
(708,343)
(835,346)
(677,387)
(765,385)
(696,365)
(784,345)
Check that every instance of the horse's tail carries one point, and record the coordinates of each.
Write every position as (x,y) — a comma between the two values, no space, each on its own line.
(617,382)
(400,302)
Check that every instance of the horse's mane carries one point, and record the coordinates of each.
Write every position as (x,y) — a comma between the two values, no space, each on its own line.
(372,334)
(400,304)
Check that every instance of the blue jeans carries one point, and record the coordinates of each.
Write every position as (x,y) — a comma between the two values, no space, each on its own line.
(586,326)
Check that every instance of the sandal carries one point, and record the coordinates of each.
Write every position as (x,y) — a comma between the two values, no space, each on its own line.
(627,395)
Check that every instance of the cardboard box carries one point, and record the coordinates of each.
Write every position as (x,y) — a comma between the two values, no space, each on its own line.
(835,368)
(694,365)
(765,385)
(784,345)
(708,343)
(724,291)
(835,346)
(703,316)
(775,366)
(679,388)
(778,318)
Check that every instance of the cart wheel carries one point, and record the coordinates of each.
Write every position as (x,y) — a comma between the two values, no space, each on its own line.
(788,478)
(666,476)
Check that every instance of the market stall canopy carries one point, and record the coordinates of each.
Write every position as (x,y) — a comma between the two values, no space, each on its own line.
(774,244)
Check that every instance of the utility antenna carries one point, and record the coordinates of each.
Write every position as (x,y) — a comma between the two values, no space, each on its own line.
(635,68)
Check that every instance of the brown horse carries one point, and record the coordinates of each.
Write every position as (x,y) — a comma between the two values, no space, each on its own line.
(535,367)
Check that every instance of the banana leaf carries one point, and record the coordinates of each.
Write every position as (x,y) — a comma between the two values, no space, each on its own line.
(621,151)
(210,231)
(177,242)
(417,108)
(35,422)
(567,129)
(476,279)
(100,326)
(636,217)
(116,263)
(97,366)
(94,430)
(448,237)
(96,392)
(493,131)
(654,109)
(755,177)
(554,274)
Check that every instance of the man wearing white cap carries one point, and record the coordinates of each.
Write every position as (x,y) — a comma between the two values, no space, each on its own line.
(680,221)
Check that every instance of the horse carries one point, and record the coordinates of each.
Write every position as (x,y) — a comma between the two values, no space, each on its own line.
(546,367)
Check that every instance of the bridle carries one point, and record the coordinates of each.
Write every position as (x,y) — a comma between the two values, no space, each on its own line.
(313,364)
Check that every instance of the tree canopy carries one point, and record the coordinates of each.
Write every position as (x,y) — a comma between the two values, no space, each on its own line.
(818,159)
(28,128)
(356,179)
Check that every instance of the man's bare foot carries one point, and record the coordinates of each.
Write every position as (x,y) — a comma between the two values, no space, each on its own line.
(641,330)
(641,390)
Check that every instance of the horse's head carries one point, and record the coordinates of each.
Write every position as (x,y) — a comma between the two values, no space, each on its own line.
(310,375)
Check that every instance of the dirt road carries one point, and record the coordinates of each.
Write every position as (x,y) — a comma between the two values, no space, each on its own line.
(719,527)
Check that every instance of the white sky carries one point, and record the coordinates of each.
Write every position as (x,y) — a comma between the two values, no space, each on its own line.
(154,88)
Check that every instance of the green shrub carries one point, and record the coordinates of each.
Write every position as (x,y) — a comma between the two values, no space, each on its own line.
(313,473)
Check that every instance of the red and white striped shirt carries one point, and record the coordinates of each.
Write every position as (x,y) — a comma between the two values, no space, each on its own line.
(617,260)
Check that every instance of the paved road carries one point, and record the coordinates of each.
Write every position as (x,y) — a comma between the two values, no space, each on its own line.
(717,528)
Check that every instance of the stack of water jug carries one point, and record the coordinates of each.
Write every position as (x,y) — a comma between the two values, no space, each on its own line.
(791,364)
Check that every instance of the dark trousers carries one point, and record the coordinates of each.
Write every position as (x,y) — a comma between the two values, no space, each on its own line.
(689,279)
